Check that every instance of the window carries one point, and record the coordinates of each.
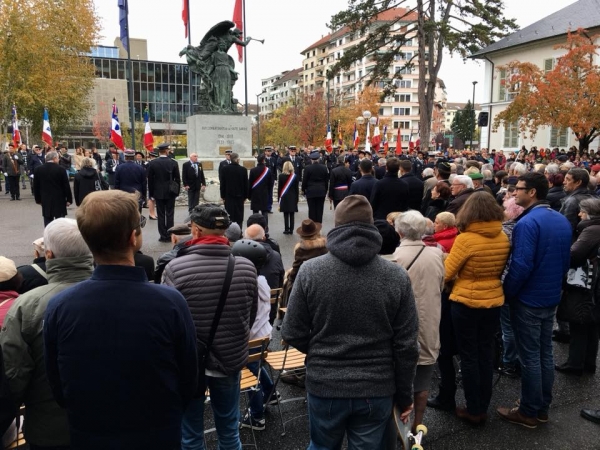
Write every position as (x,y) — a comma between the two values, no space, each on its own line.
(381,111)
(558,137)
(338,55)
(405,83)
(549,64)
(502,86)
(404,124)
(339,42)
(406,137)
(404,112)
(511,135)
(405,98)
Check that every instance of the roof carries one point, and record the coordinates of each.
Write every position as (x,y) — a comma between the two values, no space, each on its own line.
(385,16)
(581,14)
(289,75)
(452,106)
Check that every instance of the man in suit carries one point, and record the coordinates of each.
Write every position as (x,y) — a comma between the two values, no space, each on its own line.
(314,185)
(51,189)
(297,161)
(234,188)
(131,177)
(35,160)
(193,180)
(415,185)
(340,181)
(364,185)
(225,162)
(260,185)
(390,194)
(271,163)
(161,172)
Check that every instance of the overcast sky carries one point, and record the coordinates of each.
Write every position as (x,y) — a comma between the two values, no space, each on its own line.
(288,27)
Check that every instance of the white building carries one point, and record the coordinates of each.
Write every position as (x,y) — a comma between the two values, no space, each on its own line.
(280,90)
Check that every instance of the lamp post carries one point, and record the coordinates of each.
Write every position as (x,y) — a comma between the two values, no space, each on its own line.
(472,124)
(257,123)
(367,119)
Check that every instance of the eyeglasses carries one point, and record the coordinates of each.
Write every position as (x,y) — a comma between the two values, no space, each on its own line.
(456,184)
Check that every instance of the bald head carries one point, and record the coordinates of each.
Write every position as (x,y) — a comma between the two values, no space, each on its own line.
(255,233)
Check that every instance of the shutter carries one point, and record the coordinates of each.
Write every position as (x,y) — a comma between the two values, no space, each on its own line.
(549,65)
(553,137)
(562,141)
(502,87)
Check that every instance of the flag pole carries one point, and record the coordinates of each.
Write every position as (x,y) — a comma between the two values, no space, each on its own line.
(189,33)
(245,57)
(130,80)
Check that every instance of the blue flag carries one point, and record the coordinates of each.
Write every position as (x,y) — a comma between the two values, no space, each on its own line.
(124,35)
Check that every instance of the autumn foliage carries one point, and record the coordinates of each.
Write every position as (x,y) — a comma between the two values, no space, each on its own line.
(566,97)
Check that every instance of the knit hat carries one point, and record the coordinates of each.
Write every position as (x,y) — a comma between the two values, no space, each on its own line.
(354,208)
(391,239)
(7,269)
(234,232)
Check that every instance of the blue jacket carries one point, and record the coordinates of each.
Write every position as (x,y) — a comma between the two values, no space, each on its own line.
(541,244)
(121,358)
(130,177)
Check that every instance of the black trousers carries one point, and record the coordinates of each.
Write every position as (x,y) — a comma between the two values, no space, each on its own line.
(48,219)
(315,208)
(235,208)
(288,221)
(165,211)
(193,199)
(447,351)
(583,346)
(13,186)
(37,447)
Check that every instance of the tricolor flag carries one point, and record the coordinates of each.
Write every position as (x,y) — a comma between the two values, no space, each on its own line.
(15,123)
(46,131)
(328,140)
(115,129)
(148,138)
(239,24)
(355,138)
(386,145)
(124,32)
(184,15)
(368,139)
(376,137)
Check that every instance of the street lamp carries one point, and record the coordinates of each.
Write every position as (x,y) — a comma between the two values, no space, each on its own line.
(367,119)
(472,124)
(258,123)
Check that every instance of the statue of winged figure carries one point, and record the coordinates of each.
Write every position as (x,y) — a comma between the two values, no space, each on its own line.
(215,67)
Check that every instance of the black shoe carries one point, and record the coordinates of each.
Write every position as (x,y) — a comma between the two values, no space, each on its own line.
(153,218)
(270,212)
(12,199)
(250,422)
(592,415)
(164,240)
(568,370)
(561,337)
(510,372)
(437,403)
(19,198)
(589,368)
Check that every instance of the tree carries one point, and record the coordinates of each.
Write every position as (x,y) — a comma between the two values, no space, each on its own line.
(312,119)
(568,96)
(280,129)
(43,44)
(463,124)
(460,27)
(101,123)
(139,135)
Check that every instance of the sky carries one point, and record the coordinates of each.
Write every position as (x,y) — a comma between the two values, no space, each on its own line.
(288,27)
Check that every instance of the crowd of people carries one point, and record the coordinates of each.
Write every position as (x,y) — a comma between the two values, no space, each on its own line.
(475,257)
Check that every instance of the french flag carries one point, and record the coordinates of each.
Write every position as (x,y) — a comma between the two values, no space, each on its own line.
(355,138)
(376,140)
(46,131)
(115,129)
(328,140)
(148,138)
(15,123)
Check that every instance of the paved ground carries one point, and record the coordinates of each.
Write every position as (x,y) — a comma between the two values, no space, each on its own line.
(22,223)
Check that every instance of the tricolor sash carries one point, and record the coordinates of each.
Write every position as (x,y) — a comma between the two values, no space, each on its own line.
(288,183)
(261,177)
(342,187)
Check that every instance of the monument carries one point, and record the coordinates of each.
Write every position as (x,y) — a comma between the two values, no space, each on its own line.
(216,125)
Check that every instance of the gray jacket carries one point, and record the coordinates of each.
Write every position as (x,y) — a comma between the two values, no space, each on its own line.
(353,313)
(570,206)
(22,344)
(198,273)
(11,166)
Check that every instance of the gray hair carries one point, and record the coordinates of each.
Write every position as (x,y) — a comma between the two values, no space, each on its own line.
(427,172)
(88,162)
(411,225)
(254,232)
(518,169)
(487,167)
(234,157)
(567,165)
(487,174)
(464,180)
(51,156)
(591,206)
(382,161)
(552,168)
(63,238)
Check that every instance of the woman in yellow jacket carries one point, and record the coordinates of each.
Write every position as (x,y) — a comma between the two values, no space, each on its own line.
(475,265)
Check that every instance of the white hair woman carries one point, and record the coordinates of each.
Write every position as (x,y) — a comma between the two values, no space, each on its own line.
(425,268)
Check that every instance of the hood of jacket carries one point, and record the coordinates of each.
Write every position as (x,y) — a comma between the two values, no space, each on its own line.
(587,223)
(354,243)
(88,172)
(69,270)
(485,229)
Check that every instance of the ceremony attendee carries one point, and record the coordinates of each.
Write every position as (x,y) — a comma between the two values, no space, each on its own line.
(225,162)
(556,192)
(68,261)
(194,181)
(105,384)
(390,194)
(12,162)
(204,272)
(163,187)
(36,159)
(86,180)
(8,411)
(10,283)
(131,177)
(364,185)
(259,187)
(271,162)
(532,286)
(361,355)
(51,189)
(415,185)
(315,181)
(64,160)
(439,199)
(288,193)
(461,188)
(444,231)
(340,181)
(34,275)
(234,188)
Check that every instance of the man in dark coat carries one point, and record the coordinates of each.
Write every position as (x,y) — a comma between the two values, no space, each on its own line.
(271,163)
(390,194)
(36,159)
(234,189)
(194,181)
(462,188)
(225,162)
(8,412)
(340,181)
(260,183)
(131,177)
(364,185)
(297,161)
(51,189)
(415,185)
(314,185)
(161,172)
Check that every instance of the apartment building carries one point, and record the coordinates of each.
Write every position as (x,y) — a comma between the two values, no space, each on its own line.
(452,109)
(280,90)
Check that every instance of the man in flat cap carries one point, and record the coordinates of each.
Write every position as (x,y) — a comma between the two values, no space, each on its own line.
(315,183)
(163,187)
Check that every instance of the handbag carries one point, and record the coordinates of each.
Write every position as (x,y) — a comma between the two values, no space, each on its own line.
(173,185)
(204,347)
(100,184)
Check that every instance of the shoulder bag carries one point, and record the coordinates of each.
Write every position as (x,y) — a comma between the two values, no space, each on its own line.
(173,185)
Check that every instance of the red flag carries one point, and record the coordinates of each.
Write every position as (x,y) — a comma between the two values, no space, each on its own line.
(239,24)
(399,142)
(328,140)
(115,129)
(355,138)
(376,139)
(184,16)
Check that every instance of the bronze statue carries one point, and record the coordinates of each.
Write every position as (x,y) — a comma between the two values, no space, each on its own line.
(216,68)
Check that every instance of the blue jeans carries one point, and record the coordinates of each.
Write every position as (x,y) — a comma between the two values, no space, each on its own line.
(533,335)
(257,399)
(510,357)
(364,420)
(225,402)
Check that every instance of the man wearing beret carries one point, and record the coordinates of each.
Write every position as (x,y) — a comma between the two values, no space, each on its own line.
(362,354)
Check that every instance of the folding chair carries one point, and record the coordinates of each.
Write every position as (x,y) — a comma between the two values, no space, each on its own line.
(275,299)
(19,442)
(293,362)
